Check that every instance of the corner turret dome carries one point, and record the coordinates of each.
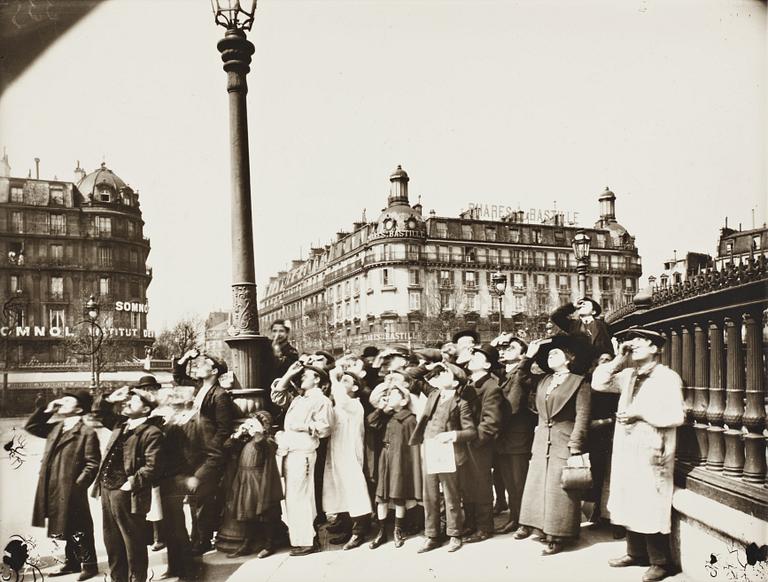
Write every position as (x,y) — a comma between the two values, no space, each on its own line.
(104,185)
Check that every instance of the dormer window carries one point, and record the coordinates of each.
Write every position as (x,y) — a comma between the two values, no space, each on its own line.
(104,195)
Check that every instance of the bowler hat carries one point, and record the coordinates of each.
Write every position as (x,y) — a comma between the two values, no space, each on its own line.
(147,382)
(491,354)
(370,352)
(396,350)
(329,359)
(653,336)
(83,397)
(466,332)
(576,344)
(430,354)
(595,305)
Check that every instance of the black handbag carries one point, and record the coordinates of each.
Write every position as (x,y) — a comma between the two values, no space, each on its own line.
(577,473)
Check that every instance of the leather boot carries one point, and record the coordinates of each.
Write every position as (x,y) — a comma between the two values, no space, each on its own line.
(380,538)
(398,534)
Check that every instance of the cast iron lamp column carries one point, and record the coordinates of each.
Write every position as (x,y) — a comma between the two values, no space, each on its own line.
(251,351)
(499,281)
(581,244)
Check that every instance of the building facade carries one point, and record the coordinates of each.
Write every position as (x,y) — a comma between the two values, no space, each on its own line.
(410,278)
(62,242)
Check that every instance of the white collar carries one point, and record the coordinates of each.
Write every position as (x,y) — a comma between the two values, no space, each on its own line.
(69,423)
(446,393)
(132,423)
(588,319)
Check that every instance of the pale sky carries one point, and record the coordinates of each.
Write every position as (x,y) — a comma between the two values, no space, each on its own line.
(508,103)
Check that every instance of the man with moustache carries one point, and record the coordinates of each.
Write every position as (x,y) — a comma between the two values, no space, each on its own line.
(213,414)
(284,353)
(513,447)
(131,466)
(650,410)
(308,419)
(68,467)
(475,475)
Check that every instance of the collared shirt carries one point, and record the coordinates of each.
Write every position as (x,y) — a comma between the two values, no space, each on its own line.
(69,423)
(197,403)
(446,394)
(132,423)
(311,412)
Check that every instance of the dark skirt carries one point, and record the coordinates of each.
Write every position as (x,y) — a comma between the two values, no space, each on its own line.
(256,490)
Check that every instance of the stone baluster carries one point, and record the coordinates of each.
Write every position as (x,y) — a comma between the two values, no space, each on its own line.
(734,401)
(716,407)
(676,353)
(686,446)
(665,353)
(754,415)
(701,392)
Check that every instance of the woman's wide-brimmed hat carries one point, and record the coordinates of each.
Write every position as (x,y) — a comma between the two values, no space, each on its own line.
(576,344)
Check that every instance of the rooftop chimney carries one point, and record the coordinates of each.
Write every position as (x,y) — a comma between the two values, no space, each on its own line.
(5,167)
(79,173)
(37,168)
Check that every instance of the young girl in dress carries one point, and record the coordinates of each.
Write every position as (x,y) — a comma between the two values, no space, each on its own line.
(256,490)
(399,481)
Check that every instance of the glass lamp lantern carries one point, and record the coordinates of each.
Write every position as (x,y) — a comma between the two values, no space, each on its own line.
(499,281)
(581,244)
(234,14)
(92,308)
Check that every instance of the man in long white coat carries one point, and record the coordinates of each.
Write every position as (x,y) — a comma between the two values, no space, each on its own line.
(650,410)
(309,419)
(345,490)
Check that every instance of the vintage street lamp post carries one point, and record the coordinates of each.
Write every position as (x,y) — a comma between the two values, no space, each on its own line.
(499,281)
(251,351)
(581,244)
(92,314)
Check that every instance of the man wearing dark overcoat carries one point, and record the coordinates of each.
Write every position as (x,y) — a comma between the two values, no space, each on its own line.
(477,484)
(68,467)
(131,467)
(513,447)
(588,323)
(214,415)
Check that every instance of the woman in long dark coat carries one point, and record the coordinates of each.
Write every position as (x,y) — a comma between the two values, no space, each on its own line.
(563,404)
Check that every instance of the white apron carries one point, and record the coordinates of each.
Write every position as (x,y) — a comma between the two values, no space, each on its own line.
(344,485)
(643,459)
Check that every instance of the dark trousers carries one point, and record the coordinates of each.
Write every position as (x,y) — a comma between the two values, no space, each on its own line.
(478,486)
(322,452)
(205,505)
(513,470)
(357,525)
(654,547)
(454,516)
(174,526)
(124,536)
(80,548)
(498,486)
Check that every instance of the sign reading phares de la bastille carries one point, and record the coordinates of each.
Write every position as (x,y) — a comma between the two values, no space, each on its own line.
(484,211)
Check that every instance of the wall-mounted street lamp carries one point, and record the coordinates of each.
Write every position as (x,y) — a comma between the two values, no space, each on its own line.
(581,243)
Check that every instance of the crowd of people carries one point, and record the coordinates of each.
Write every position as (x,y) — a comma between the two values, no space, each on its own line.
(441,438)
